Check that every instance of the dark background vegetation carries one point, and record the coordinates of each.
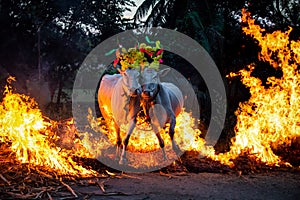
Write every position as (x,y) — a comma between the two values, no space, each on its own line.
(43,42)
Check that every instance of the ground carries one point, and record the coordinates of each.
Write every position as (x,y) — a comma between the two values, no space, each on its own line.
(192,178)
(271,185)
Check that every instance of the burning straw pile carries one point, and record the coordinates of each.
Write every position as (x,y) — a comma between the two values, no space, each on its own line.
(270,119)
(30,161)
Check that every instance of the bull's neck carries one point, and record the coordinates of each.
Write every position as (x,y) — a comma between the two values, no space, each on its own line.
(125,95)
(147,103)
(156,91)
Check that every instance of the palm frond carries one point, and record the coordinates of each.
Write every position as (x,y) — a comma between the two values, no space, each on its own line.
(143,9)
(166,14)
(156,14)
(196,20)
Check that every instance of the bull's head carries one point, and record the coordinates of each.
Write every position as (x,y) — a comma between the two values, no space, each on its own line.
(131,81)
(151,82)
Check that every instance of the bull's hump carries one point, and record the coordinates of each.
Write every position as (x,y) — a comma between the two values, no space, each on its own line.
(106,89)
(110,80)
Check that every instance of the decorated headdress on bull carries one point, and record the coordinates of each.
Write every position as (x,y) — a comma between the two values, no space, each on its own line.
(139,57)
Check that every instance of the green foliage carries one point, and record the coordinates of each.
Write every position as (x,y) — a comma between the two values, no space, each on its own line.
(78,24)
(57,34)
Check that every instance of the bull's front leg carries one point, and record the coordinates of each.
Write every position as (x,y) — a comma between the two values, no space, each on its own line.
(158,120)
(132,125)
(161,141)
(134,108)
(175,147)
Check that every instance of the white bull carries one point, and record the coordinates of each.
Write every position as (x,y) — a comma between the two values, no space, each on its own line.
(118,99)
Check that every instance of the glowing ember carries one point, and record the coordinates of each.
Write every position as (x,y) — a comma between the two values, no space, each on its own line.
(271,117)
(23,126)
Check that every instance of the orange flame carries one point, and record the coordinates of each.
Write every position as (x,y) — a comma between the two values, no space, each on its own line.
(271,116)
(23,126)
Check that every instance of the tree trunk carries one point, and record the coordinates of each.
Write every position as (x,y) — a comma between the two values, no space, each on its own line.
(39,52)
(60,87)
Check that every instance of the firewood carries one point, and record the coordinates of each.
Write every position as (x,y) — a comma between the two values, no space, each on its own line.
(49,196)
(4,179)
(69,188)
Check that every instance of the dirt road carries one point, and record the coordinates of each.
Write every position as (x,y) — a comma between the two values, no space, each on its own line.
(273,186)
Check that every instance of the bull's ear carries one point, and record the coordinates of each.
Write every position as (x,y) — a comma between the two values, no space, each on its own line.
(164,72)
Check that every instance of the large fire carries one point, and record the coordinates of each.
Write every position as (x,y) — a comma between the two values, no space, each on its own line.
(270,118)
(31,135)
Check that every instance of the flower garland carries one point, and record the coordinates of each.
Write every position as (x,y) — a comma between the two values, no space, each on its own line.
(139,57)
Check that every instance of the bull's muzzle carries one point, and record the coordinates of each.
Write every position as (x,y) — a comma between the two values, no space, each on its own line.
(146,94)
(148,91)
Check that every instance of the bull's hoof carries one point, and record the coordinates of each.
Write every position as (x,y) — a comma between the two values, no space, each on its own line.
(123,161)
